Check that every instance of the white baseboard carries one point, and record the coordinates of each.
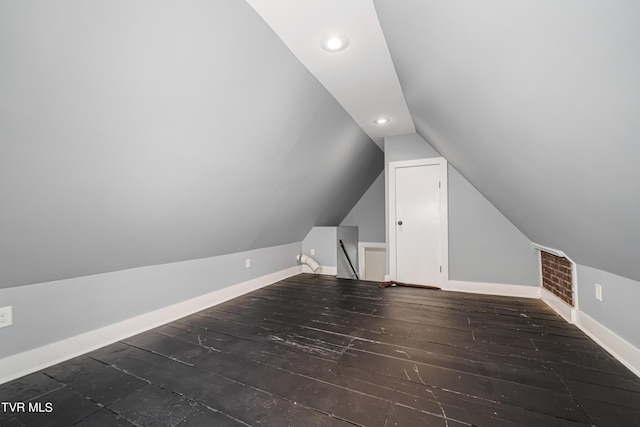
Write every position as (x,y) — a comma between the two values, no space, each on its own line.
(324,269)
(567,312)
(21,364)
(625,352)
(622,350)
(493,289)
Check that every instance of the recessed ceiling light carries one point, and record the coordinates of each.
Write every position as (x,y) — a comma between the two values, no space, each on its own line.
(382,120)
(334,42)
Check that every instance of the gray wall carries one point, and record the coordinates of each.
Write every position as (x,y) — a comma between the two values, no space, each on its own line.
(49,312)
(368,213)
(483,245)
(323,241)
(536,103)
(146,132)
(619,306)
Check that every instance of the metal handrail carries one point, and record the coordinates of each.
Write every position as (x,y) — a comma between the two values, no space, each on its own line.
(348,259)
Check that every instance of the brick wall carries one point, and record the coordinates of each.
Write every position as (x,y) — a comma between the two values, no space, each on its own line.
(556,276)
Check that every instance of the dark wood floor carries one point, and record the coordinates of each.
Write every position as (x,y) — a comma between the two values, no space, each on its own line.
(316,351)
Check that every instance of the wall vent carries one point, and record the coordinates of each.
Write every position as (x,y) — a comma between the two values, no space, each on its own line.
(557,276)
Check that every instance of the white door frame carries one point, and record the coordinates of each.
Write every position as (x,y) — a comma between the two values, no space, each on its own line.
(444,216)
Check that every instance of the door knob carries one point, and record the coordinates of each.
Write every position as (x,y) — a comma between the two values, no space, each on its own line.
(399,222)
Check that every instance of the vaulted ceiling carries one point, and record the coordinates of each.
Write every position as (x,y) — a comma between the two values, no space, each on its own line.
(137,133)
(147,132)
(535,102)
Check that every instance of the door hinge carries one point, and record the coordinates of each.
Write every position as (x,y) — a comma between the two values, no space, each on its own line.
(439,184)
(440,269)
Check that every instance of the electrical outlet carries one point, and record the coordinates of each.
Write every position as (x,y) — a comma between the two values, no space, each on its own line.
(6,316)
(312,251)
(598,291)
(247,262)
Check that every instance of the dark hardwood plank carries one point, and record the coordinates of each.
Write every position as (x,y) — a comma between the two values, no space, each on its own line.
(231,398)
(151,405)
(317,350)
(104,418)
(28,388)
(106,385)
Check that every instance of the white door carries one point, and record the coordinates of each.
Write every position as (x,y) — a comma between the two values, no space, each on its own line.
(418,232)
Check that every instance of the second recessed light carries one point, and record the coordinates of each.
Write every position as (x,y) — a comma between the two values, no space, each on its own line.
(382,120)
(334,42)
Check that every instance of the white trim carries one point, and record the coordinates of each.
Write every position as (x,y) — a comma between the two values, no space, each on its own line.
(444,215)
(362,247)
(622,350)
(625,352)
(567,312)
(521,291)
(324,269)
(552,251)
(21,364)
(574,287)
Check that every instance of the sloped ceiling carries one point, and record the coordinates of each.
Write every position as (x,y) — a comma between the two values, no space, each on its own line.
(361,77)
(139,133)
(537,103)
(136,133)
